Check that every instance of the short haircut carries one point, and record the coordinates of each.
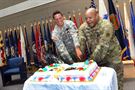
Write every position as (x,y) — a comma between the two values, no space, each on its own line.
(57,12)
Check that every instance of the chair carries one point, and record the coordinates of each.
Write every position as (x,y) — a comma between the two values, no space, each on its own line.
(14,66)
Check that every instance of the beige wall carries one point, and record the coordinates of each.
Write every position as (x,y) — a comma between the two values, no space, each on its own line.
(43,11)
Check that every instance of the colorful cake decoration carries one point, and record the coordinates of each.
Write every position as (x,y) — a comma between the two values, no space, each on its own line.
(77,72)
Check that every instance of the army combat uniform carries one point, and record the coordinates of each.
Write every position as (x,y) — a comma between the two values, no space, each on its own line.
(67,41)
(103,46)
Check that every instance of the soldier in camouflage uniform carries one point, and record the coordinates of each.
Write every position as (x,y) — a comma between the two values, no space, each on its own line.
(65,37)
(97,36)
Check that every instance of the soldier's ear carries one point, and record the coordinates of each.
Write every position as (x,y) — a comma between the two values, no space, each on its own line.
(97,11)
(97,16)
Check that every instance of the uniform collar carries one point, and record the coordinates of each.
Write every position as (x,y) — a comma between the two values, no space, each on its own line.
(99,22)
(63,27)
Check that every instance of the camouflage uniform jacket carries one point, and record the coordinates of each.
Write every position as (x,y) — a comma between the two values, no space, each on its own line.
(101,42)
(67,40)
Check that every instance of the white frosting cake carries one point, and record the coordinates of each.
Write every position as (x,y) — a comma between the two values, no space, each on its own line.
(77,72)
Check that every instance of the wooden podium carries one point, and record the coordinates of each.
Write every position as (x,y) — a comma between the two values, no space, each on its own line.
(129,69)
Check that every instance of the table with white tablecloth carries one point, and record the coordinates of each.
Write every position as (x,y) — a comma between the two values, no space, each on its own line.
(106,79)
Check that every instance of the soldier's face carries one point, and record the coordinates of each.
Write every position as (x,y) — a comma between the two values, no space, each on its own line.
(91,19)
(59,20)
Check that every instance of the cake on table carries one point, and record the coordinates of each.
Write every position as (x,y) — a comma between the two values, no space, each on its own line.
(77,72)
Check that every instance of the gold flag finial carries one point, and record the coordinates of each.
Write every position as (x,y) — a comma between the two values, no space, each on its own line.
(17,27)
(14,28)
(79,13)
(46,21)
(117,5)
(38,22)
(35,23)
(8,30)
(73,13)
(24,25)
(50,20)
(31,24)
(43,22)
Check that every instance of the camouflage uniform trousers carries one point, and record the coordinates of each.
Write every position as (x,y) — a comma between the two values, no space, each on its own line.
(119,68)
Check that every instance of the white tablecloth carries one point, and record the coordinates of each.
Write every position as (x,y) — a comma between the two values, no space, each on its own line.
(105,80)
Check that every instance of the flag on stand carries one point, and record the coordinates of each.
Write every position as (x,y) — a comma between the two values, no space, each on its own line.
(51,25)
(2,52)
(116,24)
(28,55)
(15,40)
(74,20)
(132,15)
(45,36)
(49,40)
(19,43)
(53,44)
(125,54)
(7,46)
(34,46)
(102,10)
(12,43)
(130,33)
(41,45)
(38,42)
(80,19)
(23,47)
(37,33)
(93,5)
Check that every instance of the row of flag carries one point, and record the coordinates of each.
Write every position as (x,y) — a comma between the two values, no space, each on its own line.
(16,42)
(13,45)
(125,32)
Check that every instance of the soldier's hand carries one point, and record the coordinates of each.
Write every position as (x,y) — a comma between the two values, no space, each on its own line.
(79,53)
(54,38)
